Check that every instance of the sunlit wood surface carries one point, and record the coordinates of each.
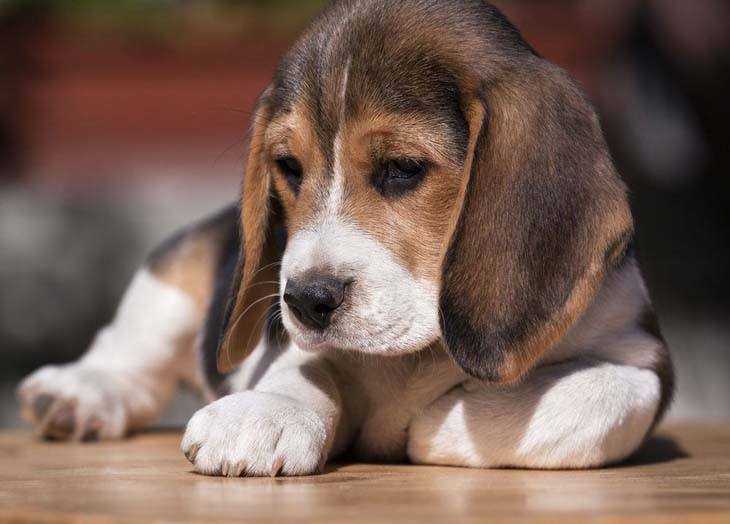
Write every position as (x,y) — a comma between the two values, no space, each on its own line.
(683,475)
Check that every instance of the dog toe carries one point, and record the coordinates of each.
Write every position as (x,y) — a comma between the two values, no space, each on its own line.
(61,423)
(41,405)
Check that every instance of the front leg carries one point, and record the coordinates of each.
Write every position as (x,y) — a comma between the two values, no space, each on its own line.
(129,374)
(570,415)
(285,426)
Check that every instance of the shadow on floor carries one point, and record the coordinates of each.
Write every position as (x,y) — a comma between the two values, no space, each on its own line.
(657,450)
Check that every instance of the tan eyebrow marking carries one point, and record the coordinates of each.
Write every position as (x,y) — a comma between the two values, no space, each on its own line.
(285,132)
(409,138)
(280,130)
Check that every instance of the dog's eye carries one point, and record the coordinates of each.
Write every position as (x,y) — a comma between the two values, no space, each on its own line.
(292,171)
(404,168)
(398,176)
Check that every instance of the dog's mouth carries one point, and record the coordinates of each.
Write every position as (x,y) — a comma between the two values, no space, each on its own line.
(312,342)
(331,337)
(352,334)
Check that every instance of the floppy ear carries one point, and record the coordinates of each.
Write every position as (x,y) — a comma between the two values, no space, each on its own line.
(255,282)
(543,215)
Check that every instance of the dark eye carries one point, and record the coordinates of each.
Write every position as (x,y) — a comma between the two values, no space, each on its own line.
(292,171)
(395,177)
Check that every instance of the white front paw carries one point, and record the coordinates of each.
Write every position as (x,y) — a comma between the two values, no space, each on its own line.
(74,401)
(256,434)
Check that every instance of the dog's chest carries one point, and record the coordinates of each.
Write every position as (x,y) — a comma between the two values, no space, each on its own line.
(384,394)
(380,394)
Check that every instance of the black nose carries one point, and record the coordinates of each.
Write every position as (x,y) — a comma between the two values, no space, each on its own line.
(313,298)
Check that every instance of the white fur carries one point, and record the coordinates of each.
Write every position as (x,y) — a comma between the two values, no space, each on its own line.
(335,199)
(131,369)
(256,434)
(589,402)
(285,422)
(571,415)
(608,330)
(387,309)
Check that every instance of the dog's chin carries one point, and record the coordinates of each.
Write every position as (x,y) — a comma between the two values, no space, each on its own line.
(332,340)
(315,341)
(310,342)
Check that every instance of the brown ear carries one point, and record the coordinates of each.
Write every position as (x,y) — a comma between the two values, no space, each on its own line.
(255,282)
(543,215)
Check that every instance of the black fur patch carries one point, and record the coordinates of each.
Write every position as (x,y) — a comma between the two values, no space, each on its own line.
(477,352)
(225,220)
(218,313)
(388,71)
(227,285)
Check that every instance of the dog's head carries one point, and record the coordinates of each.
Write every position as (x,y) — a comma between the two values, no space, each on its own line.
(434,178)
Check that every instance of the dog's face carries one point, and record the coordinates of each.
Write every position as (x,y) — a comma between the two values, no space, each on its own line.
(435,179)
(370,203)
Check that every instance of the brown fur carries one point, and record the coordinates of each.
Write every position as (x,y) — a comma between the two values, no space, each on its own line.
(189,260)
(255,279)
(544,205)
(293,135)
(521,212)
(412,227)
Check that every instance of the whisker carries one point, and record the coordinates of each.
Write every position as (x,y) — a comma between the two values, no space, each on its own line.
(254,329)
(235,143)
(273,321)
(234,110)
(239,317)
(263,268)
(261,283)
(281,333)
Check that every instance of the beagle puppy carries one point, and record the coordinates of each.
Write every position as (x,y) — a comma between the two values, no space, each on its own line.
(431,261)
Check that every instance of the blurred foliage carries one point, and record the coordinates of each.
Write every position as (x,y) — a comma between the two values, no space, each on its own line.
(167,19)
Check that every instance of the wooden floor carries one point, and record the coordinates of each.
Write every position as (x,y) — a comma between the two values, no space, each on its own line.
(683,475)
